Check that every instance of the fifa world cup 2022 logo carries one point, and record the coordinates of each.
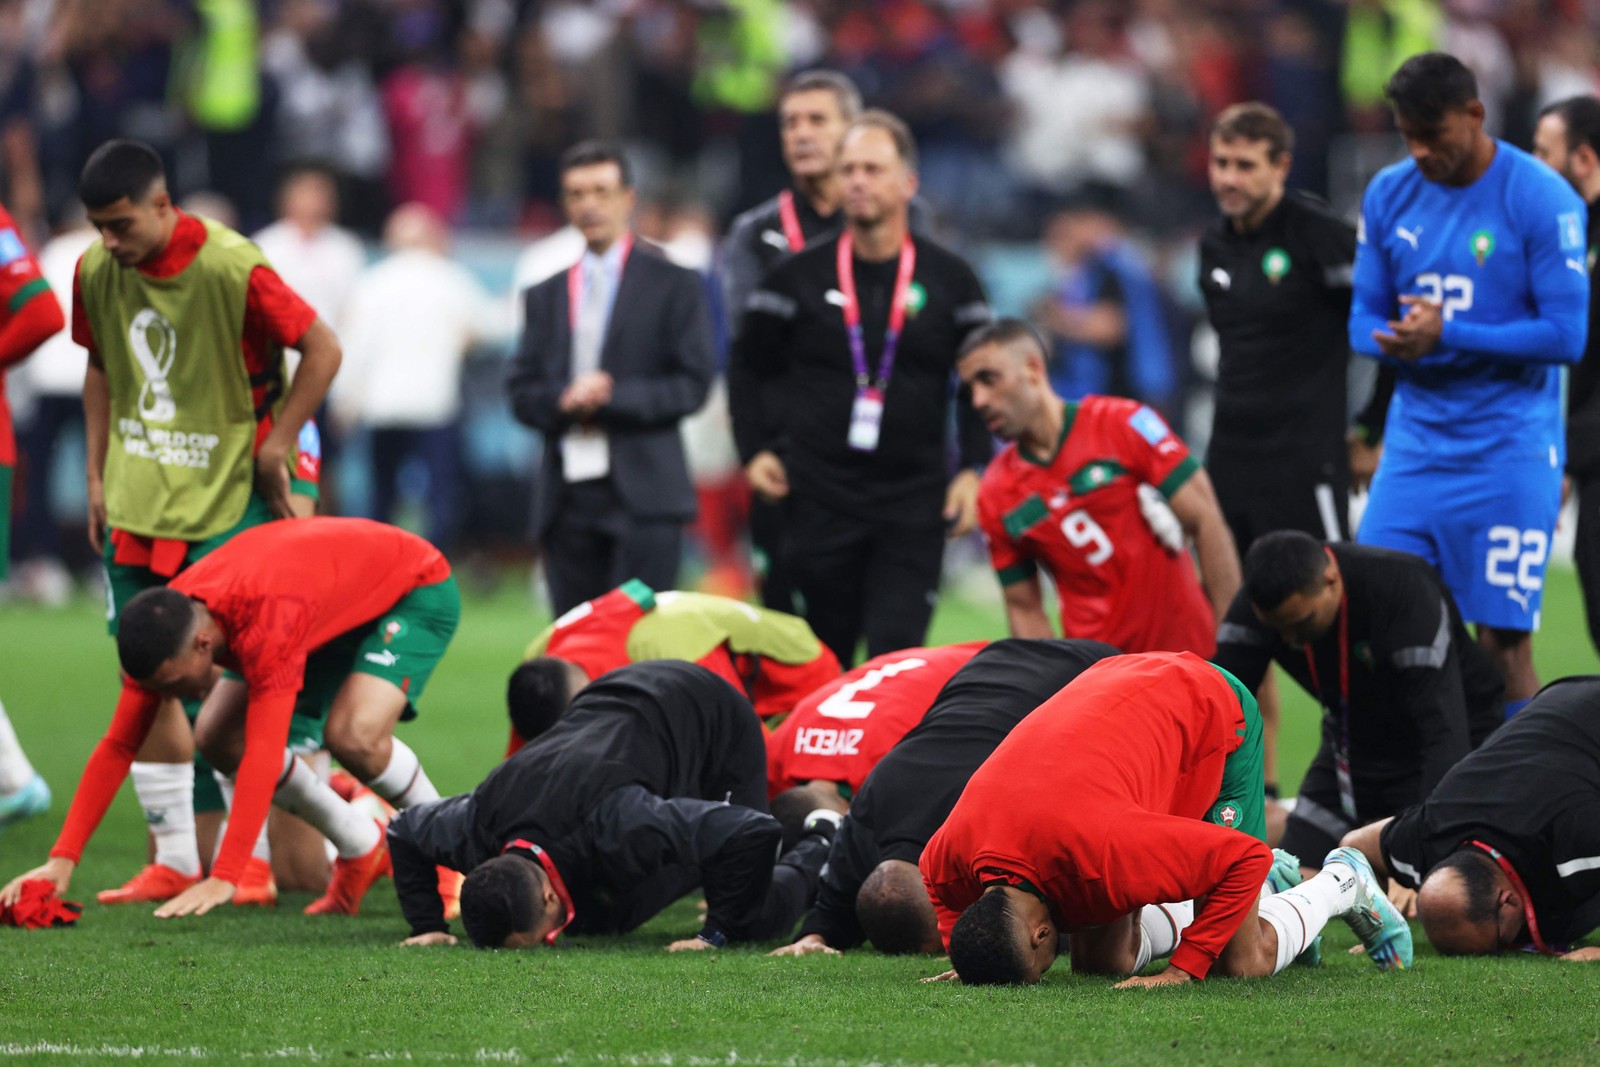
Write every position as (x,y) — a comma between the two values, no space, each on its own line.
(155,345)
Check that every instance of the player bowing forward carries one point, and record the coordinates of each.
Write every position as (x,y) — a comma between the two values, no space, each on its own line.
(352,616)
(837,734)
(772,658)
(1138,783)
(1084,489)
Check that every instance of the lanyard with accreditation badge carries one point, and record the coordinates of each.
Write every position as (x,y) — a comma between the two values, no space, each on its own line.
(789,218)
(1347,790)
(866,414)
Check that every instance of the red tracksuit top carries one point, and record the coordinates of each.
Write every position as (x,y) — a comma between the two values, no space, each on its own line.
(1097,799)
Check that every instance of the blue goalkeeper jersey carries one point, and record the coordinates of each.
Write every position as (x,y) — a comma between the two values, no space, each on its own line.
(1505,257)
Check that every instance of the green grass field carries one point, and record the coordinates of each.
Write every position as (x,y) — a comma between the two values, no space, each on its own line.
(250,986)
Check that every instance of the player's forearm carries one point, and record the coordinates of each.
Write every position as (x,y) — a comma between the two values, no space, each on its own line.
(1219,563)
(107,767)
(1541,340)
(266,735)
(96,421)
(320,356)
(34,323)
(1027,620)
(1226,906)
(416,883)
(738,873)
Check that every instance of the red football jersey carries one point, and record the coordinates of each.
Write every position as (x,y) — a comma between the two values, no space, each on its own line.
(20,282)
(1099,798)
(1077,512)
(278,591)
(839,732)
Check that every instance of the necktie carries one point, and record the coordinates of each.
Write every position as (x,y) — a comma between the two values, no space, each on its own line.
(590,331)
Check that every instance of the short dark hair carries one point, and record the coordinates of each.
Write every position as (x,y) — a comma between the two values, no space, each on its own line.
(1005,330)
(498,899)
(790,808)
(1281,564)
(876,118)
(830,81)
(1429,85)
(591,153)
(152,629)
(1255,121)
(537,695)
(118,169)
(895,915)
(1581,116)
(1477,878)
(984,948)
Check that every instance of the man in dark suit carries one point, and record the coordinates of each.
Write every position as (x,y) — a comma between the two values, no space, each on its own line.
(615,352)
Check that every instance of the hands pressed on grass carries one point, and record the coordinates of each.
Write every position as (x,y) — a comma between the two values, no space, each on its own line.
(197,899)
(809,945)
(432,937)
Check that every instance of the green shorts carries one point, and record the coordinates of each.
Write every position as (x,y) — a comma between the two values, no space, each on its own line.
(5,516)
(125,581)
(402,646)
(1242,800)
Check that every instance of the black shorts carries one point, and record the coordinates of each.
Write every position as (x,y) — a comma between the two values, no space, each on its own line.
(1318,821)
(1259,495)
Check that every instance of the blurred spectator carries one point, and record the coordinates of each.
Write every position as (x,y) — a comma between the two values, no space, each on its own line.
(1104,312)
(329,109)
(315,256)
(1079,115)
(53,379)
(434,116)
(410,321)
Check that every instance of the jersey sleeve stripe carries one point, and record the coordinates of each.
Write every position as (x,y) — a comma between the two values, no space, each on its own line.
(1180,474)
(1017,572)
(26,293)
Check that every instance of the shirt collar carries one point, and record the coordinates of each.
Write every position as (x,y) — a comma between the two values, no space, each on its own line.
(184,244)
(610,262)
(542,858)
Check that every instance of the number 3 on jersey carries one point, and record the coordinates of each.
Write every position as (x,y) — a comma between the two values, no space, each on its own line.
(1081,531)
(1452,291)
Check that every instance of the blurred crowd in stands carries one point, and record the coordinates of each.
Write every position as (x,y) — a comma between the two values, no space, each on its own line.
(1063,150)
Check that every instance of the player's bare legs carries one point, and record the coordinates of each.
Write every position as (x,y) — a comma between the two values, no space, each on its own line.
(1112,949)
(360,734)
(1512,652)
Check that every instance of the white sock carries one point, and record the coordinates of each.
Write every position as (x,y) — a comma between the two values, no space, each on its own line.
(15,770)
(262,850)
(404,782)
(166,793)
(1161,927)
(300,792)
(1298,914)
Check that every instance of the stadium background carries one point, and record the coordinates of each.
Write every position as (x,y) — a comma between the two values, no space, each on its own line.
(501,87)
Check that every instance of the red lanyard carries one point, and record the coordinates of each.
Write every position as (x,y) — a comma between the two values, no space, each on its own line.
(790,218)
(555,881)
(1522,891)
(575,279)
(852,310)
(1344,665)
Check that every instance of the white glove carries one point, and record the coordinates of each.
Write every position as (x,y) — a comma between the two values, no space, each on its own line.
(1161,519)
